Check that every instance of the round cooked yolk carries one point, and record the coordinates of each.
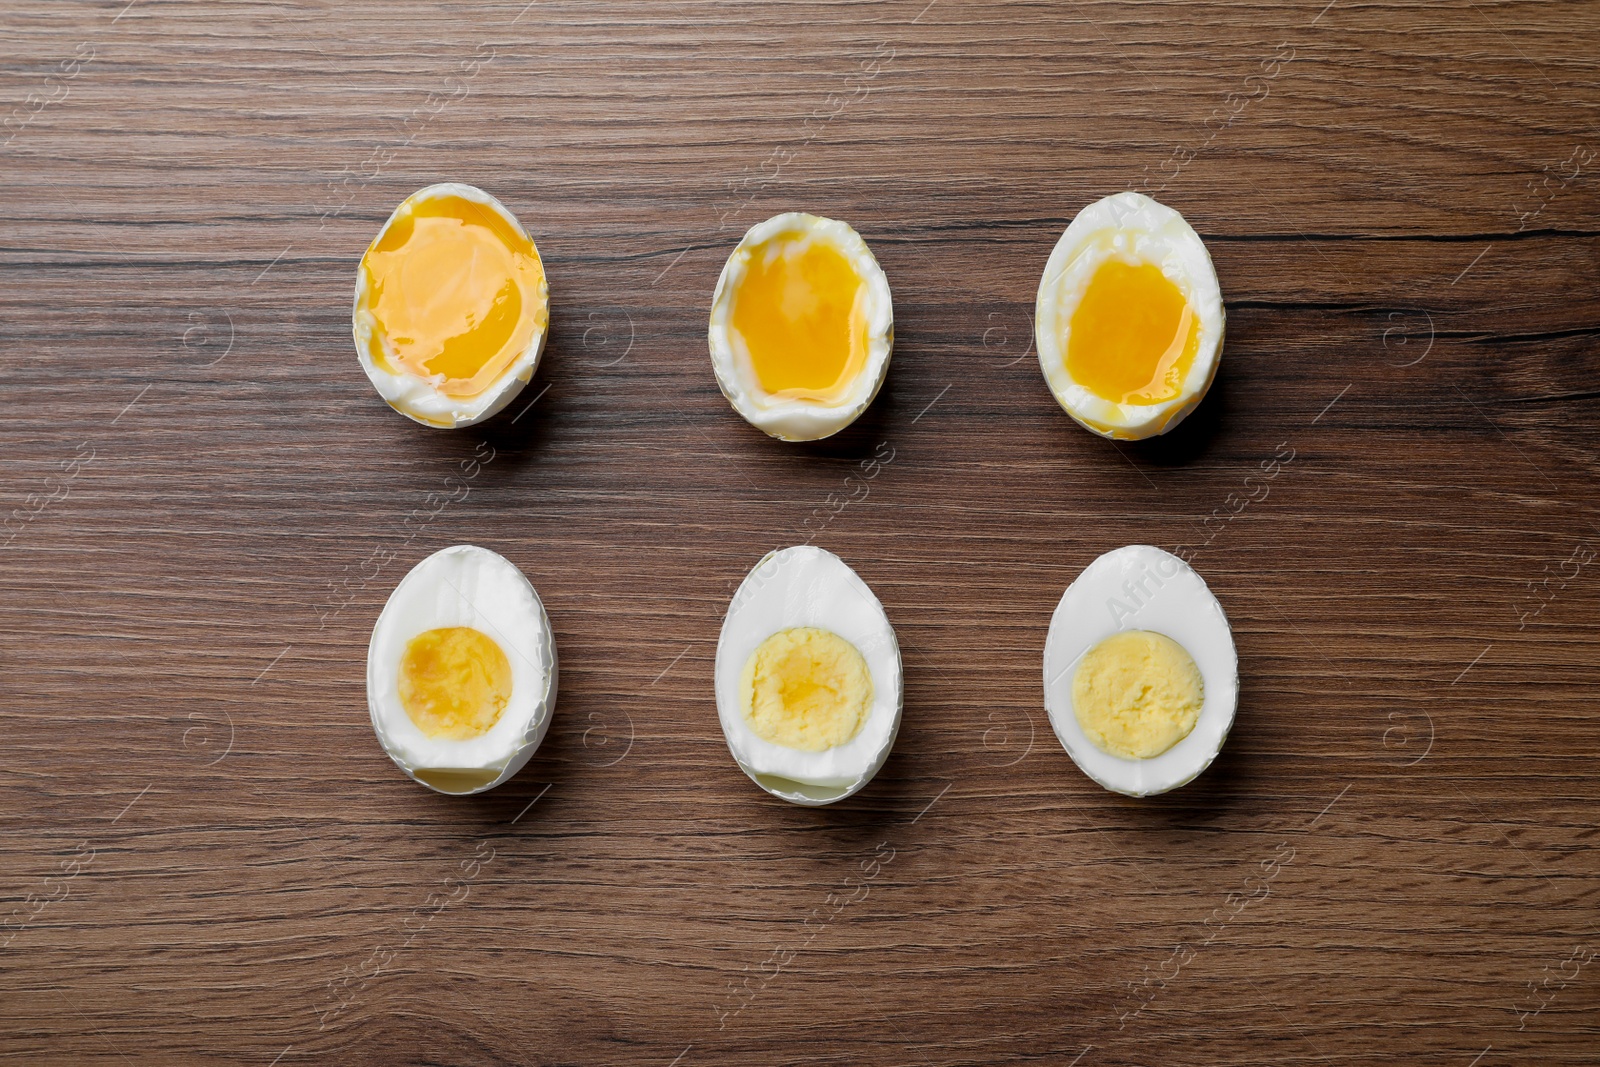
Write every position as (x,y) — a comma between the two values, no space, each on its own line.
(801,311)
(454,682)
(1133,335)
(806,688)
(1137,693)
(455,294)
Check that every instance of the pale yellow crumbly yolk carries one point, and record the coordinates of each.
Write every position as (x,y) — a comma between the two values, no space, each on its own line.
(801,309)
(456,294)
(1137,693)
(1133,335)
(454,682)
(806,688)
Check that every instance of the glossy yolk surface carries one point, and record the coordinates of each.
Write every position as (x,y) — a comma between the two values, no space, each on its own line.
(1137,693)
(455,293)
(1133,335)
(454,682)
(806,688)
(801,309)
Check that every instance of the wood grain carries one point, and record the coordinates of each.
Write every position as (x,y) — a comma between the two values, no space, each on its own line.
(207,857)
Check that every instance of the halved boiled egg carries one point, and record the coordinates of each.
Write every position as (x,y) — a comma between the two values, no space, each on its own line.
(461,671)
(1141,679)
(1129,319)
(808,677)
(451,307)
(801,327)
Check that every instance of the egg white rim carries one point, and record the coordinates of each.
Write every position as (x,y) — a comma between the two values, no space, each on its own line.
(1097,605)
(512,741)
(1136,229)
(790,419)
(416,398)
(874,638)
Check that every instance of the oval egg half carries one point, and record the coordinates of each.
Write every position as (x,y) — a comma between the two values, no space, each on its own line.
(1129,318)
(461,671)
(808,683)
(1141,678)
(801,327)
(451,307)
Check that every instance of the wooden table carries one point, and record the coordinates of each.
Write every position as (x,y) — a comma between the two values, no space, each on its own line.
(207,858)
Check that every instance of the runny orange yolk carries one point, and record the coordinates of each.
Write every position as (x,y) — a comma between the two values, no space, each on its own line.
(1133,335)
(801,310)
(454,682)
(455,293)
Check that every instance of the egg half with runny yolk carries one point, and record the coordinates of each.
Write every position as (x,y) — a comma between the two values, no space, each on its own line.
(461,671)
(1129,319)
(808,677)
(801,327)
(1141,679)
(451,307)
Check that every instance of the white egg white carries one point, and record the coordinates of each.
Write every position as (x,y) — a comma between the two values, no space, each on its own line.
(1137,230)
(417,398)
(786,418)
(809,586)
(1140,587)
(465,586)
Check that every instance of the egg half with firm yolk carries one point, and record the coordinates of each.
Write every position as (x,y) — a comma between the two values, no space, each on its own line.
(808,677)
(461,671)
(1129,319)
(801,327)
(1141,677)
(451,307)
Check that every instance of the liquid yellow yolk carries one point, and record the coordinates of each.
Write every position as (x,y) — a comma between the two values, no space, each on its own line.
(454,682)
(806,688)
(1133,335)
(1136,694)
(801,309)
(455,293)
